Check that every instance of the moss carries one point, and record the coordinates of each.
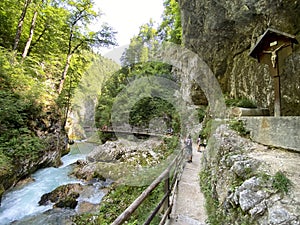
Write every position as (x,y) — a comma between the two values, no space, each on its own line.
(120,196)
(207,128)
(201,113)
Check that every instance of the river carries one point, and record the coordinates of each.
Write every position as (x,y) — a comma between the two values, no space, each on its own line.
(22,201)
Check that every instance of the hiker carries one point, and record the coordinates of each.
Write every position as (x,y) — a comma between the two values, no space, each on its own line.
(204,143)
(199,143)
(189,148)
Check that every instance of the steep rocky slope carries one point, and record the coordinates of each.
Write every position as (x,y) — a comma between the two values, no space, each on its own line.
(222,33)
(250,183)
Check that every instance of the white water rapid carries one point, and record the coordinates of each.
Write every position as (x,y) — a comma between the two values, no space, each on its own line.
(23,201)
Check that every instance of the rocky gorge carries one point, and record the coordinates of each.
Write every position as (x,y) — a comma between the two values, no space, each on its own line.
(49,130)
(120,162)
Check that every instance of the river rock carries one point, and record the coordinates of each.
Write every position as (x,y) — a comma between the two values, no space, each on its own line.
(63,197)
(54,216)
(123,150)
(117,159)
(87,207)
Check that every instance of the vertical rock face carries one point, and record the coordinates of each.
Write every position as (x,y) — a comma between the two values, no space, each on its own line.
(222,33)
(82,116)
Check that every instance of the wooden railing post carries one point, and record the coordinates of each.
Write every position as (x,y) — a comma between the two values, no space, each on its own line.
(167,201)
(167,191)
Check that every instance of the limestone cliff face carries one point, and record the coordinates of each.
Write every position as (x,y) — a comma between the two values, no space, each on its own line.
(82,116)
(222,33)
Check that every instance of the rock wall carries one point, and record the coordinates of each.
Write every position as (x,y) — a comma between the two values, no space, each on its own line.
(81,117)
(248,183)
(222,33)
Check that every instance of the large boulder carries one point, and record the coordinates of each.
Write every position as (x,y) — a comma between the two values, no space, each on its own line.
(64,196)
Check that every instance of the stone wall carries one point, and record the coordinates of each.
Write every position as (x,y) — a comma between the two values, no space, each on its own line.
(222,33)
(275,131)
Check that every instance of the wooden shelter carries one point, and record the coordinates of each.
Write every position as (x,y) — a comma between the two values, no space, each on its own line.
(272,48)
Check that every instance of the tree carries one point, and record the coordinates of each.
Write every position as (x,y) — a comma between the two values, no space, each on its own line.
(20,24)
(141,46)
(170,28)
(82,15)
(32,27)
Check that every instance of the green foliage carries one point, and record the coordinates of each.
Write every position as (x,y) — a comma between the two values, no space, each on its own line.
(21,103)
(206,129)
(143,46)
(168,147)
(117,200)
(281,182)
(215,211)
(5,164)
(201,113)
(145,109)
(242,102)
(211,203)
(239,126)
(9,9)
(149,108)
(170,29)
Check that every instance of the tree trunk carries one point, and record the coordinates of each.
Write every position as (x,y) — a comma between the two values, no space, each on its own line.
(32,27)
(20,24)
(64,74)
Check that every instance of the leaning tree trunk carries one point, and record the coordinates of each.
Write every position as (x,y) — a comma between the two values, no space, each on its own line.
(32,27)
(20,24)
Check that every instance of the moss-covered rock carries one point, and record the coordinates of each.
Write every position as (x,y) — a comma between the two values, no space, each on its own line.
(63,197)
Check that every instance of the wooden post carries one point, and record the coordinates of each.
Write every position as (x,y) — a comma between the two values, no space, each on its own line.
(277,101)
(167,190)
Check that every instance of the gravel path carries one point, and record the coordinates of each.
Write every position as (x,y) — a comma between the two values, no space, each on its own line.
(189,208)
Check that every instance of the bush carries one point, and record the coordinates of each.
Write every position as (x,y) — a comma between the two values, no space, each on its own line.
(238,125)
(242,102)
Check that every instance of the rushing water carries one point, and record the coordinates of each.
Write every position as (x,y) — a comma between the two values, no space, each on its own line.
(23,201)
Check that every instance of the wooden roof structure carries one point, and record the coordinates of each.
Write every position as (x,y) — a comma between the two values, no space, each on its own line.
(271,35)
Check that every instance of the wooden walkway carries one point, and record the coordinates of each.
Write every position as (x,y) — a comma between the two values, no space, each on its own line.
(135,132)
(189,205)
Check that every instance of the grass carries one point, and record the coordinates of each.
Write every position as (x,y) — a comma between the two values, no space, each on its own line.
(281,183)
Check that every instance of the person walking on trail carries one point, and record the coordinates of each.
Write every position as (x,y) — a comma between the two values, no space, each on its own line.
(199,143)
(189,148)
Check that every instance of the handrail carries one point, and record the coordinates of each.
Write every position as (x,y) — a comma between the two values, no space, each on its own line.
(169,190)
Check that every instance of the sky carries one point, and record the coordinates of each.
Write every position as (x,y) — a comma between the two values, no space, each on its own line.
(126,16)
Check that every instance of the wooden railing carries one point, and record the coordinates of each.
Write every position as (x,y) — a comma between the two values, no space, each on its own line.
(171,176)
